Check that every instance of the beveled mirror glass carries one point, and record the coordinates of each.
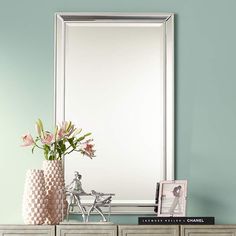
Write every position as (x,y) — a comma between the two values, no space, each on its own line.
(114,76)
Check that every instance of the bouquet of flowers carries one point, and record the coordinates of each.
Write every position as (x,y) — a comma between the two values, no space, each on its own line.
(64,140)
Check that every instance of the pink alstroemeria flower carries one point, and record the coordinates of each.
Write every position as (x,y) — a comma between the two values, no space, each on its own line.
(27,140)
(47,138)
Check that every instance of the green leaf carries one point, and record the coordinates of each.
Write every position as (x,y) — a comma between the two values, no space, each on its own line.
(87,134)
(63,148)
(46,151)
(60,143)
(71,142)
(83,137)
(33,149)
(59,152)
(51,153)
(80,139)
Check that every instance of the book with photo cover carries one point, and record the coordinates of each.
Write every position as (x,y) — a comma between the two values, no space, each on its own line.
(176,220)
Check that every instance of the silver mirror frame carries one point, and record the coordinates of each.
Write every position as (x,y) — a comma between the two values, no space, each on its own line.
(61,19)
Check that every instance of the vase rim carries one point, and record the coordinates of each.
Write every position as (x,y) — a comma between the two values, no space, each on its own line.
(52,160)
(35,170)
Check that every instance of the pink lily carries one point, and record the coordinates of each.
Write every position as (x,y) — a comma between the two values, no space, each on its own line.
(87,149)
(66,130)
(61,133)
(27,140)
(47,138)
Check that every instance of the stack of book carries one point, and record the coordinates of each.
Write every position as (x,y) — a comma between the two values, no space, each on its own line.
(176,220)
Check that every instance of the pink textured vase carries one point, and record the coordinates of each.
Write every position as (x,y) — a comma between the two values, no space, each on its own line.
(34,198)
(55,185)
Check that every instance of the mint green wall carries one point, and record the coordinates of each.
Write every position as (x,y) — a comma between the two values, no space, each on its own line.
(205,95)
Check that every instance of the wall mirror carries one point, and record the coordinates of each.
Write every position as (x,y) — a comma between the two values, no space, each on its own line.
(114,77)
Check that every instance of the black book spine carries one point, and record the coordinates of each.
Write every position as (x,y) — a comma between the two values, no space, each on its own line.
(176,220)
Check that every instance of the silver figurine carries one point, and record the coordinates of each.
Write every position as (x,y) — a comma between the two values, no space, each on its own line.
(75,191)
(100,200)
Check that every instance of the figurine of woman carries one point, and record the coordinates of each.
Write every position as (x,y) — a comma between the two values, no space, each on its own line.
(76,186)
(100,199)
(75,190)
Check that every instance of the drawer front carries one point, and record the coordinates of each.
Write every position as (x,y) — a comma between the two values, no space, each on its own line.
(87,230)
(27,230)
(208,230)
(148,230)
